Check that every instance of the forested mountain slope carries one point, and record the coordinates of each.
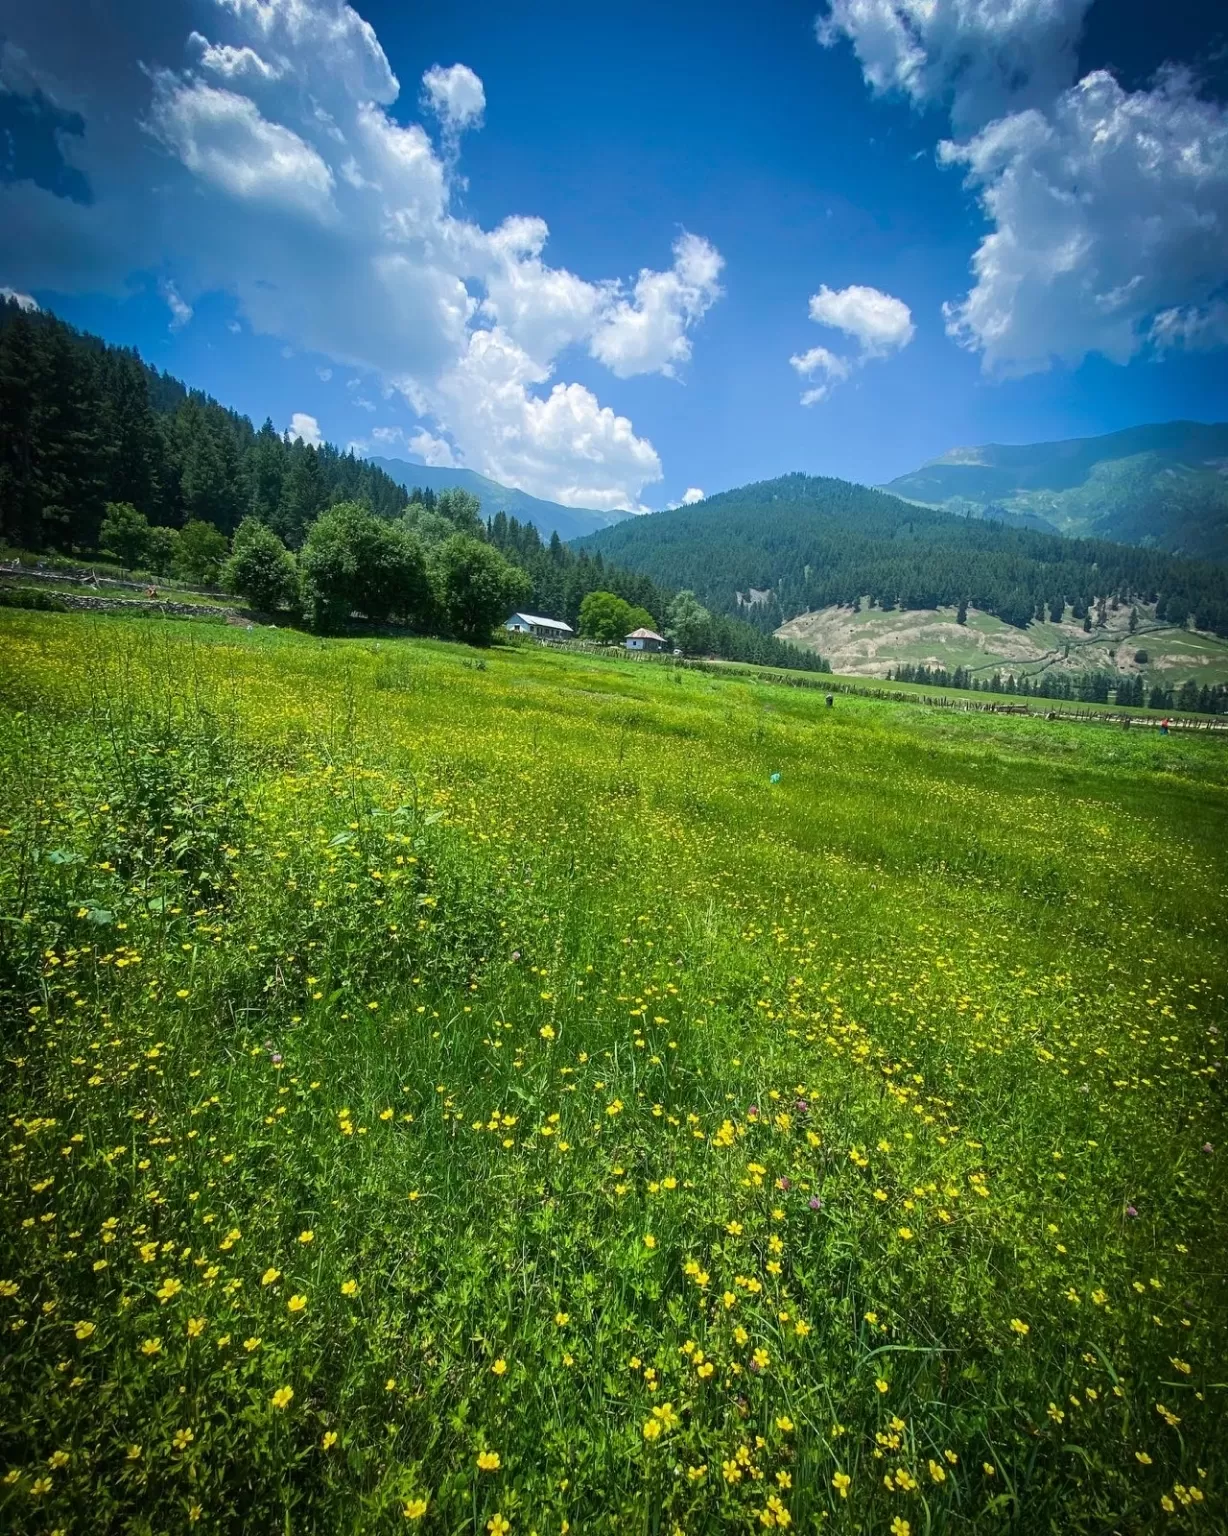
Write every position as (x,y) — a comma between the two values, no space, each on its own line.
(83,424)
(548,517)
(1165,484)
(782,547)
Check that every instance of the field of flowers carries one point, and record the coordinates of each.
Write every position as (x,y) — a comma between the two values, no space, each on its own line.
(516,1092)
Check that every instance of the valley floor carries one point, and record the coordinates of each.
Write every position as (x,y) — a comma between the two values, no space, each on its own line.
(519,1092)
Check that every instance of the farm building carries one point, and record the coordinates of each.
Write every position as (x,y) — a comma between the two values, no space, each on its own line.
(645,640)
(544,629)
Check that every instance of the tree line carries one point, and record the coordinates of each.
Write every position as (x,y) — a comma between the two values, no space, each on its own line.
(1083,687)
(101,452)
(767,552)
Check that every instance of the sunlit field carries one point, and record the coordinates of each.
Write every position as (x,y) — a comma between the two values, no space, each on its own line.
(515,1092)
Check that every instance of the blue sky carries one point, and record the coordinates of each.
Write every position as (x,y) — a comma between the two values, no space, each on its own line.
(238,188)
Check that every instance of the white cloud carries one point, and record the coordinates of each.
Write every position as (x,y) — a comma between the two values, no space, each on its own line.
(221,137)
(565,446)
(820,360)
(880,323)
(984,57)
(1192,327)
(327,41)
(1109,208)
(181,310)
(424,445)
(1110,217)
(22,300)
(432,450)
(689,498)
(270,170)
(543,309)
(455,95)
(324,374)
(647,333)
(305,428)
(232,63)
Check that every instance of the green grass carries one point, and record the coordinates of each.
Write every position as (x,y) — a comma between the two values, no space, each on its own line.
(369,1005)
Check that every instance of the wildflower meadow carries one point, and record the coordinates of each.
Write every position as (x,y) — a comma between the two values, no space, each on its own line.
(515,1092)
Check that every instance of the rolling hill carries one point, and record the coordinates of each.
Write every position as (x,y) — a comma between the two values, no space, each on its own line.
(546,516)
(1163,485)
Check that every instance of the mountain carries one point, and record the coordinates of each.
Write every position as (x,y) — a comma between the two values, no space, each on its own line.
(1164,485)
(546,516)
(771,551)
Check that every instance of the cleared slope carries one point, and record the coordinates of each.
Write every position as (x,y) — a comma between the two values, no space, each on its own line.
(869,643)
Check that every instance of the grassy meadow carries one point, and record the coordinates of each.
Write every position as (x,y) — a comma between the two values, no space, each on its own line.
(517,1092)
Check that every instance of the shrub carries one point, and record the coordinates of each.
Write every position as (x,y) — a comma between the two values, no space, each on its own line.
(605,616)
(125,534)
(261,570)
(202,548)
(689,624)
(162,551)
(476,587)
(353,562)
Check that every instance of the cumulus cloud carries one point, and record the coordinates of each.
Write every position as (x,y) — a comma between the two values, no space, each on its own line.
(565,440)
(305,428)
(877,321)
(258,156)
(1108,208)
(647,331)
(880,323)
(181,310)
(691,495)
(432,450)
(455,96)
(984,57)
(22,300)
(223,138)
(1110,216)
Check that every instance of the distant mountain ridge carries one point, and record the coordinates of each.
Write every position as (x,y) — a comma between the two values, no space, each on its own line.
(1163,485)
(546,516)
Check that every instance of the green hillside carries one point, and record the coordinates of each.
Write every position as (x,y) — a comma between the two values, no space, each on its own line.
(1164,485)
(547,517)
(800,543)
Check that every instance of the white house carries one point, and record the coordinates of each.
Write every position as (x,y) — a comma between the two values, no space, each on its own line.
(544,629)
(644,640)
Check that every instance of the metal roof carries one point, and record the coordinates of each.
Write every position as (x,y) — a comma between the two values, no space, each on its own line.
(645,634)
(533,618)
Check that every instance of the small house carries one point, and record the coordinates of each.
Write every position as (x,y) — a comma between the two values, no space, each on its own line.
(534,624)
(644,640)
